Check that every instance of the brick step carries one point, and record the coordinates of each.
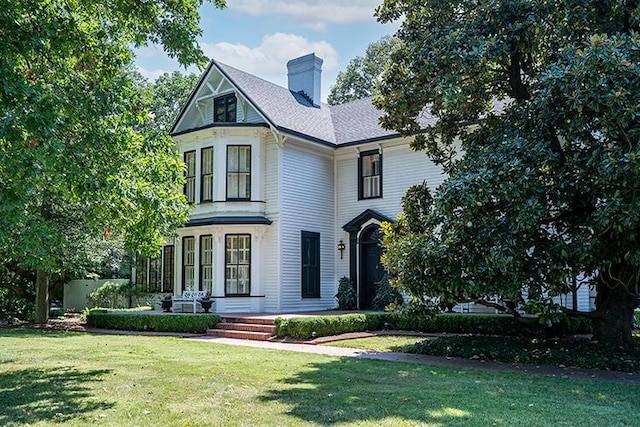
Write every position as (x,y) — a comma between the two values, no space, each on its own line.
(251,327)
(245,335)
(252,320)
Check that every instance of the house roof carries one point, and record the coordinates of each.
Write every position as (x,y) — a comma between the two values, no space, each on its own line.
(291,112)
(286,110)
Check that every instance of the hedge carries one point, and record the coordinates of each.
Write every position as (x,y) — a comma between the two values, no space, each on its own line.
(310,327)
(152,322)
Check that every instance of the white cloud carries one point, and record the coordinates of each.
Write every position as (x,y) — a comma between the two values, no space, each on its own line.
(269,60)
(150,75)
(311,13)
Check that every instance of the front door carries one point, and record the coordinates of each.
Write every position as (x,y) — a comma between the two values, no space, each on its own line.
(371,271)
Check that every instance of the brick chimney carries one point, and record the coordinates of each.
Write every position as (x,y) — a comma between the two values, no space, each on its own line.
(305,76)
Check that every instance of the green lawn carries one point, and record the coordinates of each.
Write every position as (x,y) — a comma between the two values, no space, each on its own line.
(56,378)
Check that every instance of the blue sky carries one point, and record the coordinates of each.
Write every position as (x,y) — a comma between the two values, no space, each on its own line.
(260,36)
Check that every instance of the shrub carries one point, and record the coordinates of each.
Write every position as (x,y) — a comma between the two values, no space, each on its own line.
(346,295)
(386,295)
(636,320)
(578,352)
(308,327)
(133,321)
(112,295)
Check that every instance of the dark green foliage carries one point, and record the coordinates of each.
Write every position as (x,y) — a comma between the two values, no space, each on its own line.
(152,322)
(310,327)
(542,99)
(386,296)
(13,305)
(75,154)
(576,352)
(346,295)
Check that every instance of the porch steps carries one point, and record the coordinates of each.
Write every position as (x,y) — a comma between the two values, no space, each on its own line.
(248,328)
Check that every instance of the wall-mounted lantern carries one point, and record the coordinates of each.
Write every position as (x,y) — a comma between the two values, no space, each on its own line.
(341,248)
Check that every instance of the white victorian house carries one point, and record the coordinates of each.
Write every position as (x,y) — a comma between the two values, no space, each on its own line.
(287,193)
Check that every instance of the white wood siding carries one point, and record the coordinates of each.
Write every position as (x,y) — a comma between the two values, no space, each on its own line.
(307,205)
(271,181)
(401,168)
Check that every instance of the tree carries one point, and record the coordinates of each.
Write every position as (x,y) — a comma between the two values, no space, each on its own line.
(363,72)
(72,130)
(166,96)
(542,98)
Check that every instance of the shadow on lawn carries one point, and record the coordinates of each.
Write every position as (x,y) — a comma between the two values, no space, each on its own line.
(31,395)
(352,391)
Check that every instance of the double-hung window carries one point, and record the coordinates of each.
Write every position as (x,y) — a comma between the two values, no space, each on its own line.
(206,263)
(206,177)
(370,175)
(237,264)
(310,265)
(188,263)
(239,172)
(190,176)
(224,108)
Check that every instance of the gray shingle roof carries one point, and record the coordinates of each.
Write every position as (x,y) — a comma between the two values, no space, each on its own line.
(288,111)
(284,109)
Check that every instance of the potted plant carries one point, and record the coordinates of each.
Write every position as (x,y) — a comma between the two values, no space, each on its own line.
(206,301)
(166,302)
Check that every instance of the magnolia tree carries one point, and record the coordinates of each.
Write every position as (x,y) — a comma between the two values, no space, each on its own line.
(72,131)
(542,100)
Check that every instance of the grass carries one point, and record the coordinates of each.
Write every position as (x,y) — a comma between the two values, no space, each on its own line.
(57,378)
(380,342)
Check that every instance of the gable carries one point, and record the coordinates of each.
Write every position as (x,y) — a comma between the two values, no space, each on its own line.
(199,110)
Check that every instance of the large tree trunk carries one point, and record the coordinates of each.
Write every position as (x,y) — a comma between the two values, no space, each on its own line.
(42,296)
(616,300)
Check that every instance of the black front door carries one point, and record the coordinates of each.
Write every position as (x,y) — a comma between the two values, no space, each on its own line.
(371,271)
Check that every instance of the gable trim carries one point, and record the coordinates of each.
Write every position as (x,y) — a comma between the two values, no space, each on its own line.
(202,80)
(355,224)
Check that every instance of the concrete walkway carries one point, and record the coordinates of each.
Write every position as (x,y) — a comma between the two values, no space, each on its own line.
(552,371)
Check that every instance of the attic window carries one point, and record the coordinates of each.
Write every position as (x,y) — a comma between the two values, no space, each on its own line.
(224,108)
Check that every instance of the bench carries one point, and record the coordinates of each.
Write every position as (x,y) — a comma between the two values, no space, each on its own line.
(188,297)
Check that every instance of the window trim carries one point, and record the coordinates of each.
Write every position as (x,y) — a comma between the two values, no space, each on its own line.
(201,265)
(316,293)
(361,157)
(203,175)
(238,199)
(225,99)
(187,176)
(226,237)
(185,265)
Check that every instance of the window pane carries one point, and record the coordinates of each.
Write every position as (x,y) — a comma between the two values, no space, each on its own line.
(245,159)
(168,269)
(207,160)
(232,158)
(310,269)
